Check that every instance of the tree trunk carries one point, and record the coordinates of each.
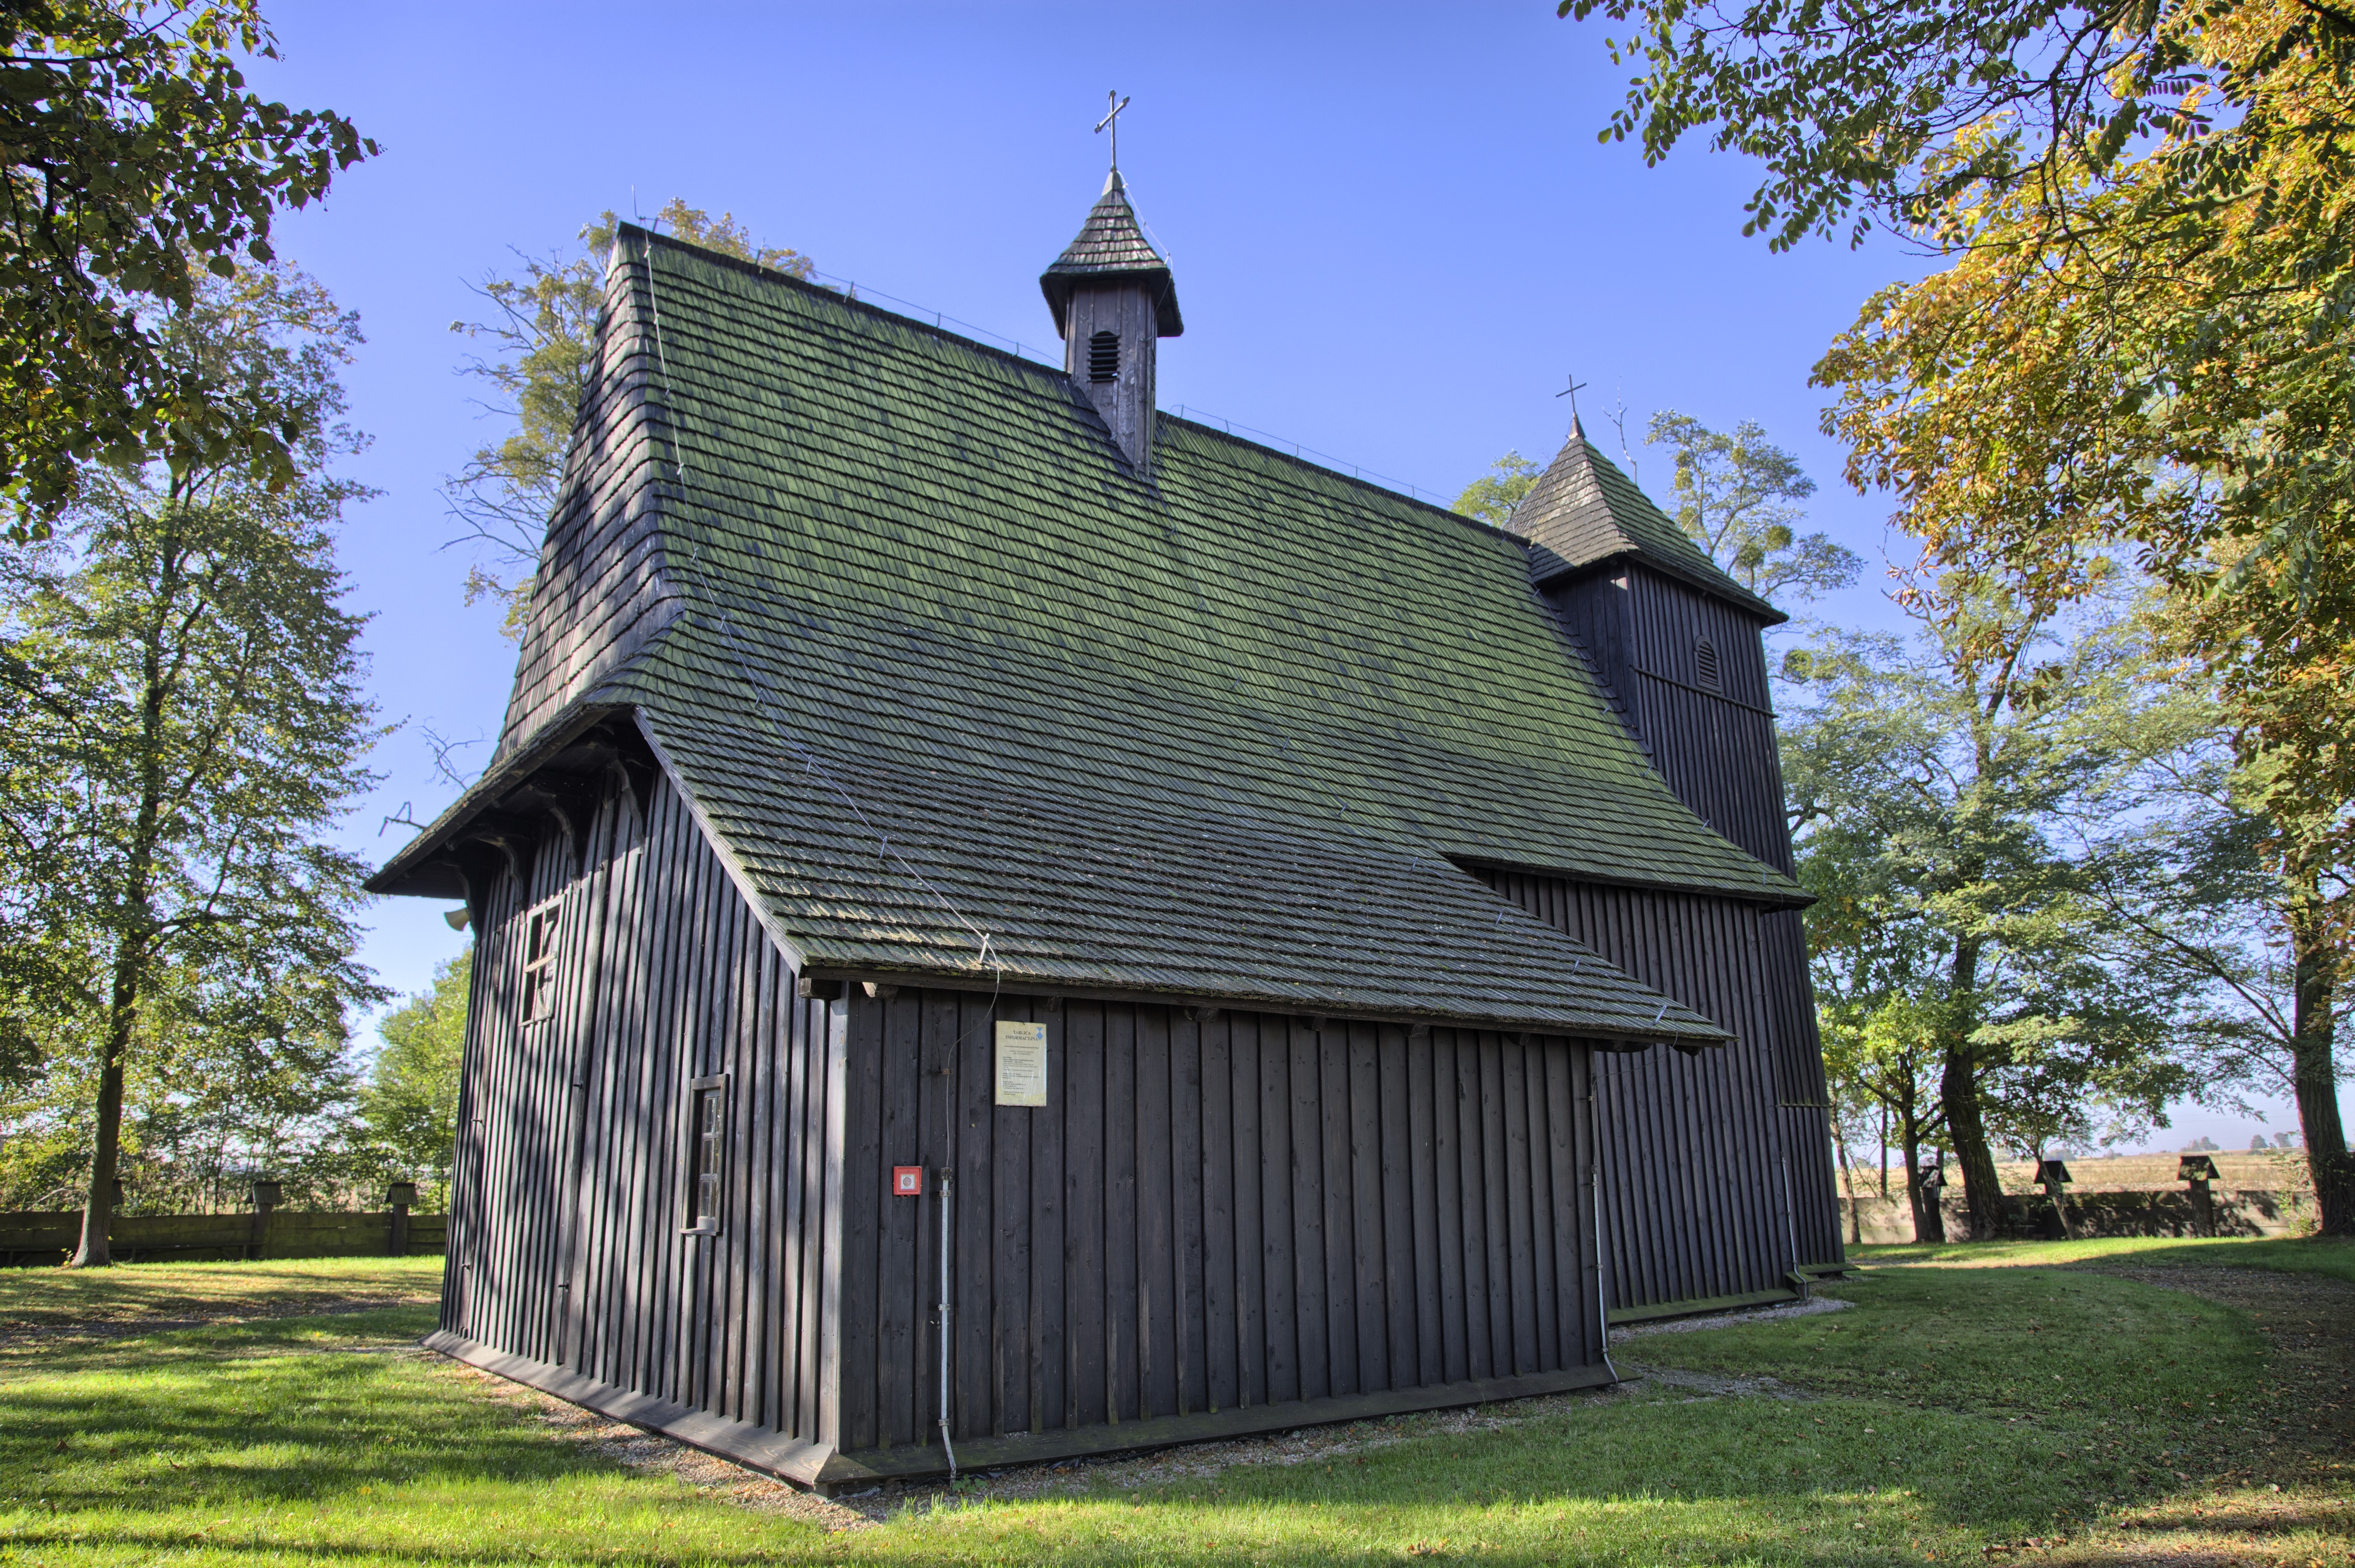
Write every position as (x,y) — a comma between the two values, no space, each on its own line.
(1958,1092)
(1958,1089)
(1847,1180)
(2313,1055)
(1929,1224)
(96,1249)
(1884,1154)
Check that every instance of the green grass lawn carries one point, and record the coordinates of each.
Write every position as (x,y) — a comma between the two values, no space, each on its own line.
(1953,1410)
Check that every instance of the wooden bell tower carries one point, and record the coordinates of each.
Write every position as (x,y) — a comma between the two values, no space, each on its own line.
(1113,300)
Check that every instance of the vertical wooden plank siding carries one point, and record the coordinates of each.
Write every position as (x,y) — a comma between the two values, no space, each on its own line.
(1715,748)
(1713,1183)
(1215,1210)
(1238,1195)
(575,1159)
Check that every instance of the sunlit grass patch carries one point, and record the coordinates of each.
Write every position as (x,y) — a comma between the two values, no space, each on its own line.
(1952,1413)
(2331,1255)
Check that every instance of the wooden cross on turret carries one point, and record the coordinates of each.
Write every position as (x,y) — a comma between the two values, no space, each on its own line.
(1111,122)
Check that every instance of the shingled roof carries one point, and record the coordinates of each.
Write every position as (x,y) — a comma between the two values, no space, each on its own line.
(942,670)
(1112,244)
(1582,512)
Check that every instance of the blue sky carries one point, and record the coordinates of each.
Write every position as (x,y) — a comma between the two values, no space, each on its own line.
(1392,228)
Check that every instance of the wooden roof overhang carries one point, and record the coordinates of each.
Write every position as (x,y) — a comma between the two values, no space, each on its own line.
(548,785)
(1548,569)
(825,982)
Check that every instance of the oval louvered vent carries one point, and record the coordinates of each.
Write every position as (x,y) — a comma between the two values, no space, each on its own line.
(1705,661)
(1104,357)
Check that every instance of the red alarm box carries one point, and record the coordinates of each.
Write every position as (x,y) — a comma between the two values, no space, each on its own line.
(906,1181)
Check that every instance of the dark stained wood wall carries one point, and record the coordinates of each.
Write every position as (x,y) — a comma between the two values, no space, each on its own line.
(1207,1215)
(568,1229)
(1640,631)
(1211,1213)
(1697,1153)
(1715,748)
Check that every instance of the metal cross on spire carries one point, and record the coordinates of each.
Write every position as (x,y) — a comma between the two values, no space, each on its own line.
(1111,122)
(1572,392)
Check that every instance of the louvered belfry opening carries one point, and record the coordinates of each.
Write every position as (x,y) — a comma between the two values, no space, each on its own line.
(1705,662)
(1104,357)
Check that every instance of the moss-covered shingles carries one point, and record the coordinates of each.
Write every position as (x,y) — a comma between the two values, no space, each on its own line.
(950,669)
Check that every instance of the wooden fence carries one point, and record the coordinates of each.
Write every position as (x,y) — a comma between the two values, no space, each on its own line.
(31,1240)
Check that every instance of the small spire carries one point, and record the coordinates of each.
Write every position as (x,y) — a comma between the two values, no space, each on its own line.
(1111,247)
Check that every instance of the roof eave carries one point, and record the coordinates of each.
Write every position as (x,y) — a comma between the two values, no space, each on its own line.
(412,872)
(1058,285)
(1606,1036)
(1739,598)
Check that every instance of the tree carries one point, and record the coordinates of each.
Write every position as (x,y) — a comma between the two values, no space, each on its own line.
(1492,498)
(1873,949)
(1896,116)
(1939,795)
(1738,496)
(2144,338)
(2210,910)
(136,162)
(542,330)
(180,719)
(410,1106)
(2001,399)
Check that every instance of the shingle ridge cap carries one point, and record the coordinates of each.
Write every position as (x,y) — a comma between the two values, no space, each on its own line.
(1297,460)
(828,295)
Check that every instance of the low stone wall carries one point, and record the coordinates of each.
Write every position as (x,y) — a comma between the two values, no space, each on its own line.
(49,1239)
(2149,1212)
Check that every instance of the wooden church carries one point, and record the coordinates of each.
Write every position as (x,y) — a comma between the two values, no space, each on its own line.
(1010,924)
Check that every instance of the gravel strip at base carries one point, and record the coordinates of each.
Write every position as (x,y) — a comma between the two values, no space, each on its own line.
(1806,1308)
(1344,1442)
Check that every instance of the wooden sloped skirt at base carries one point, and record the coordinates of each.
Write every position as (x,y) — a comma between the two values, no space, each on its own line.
(756,1447)
(815,1465)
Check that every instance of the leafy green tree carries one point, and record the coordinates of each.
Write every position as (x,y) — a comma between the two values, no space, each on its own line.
(2144,338)
(1874,950)
(1492,498)
(136,162)
(180,721)
(1738,496)
(411,1106)
(1897,116)
(2207,906)
(541,330)
(1941,793)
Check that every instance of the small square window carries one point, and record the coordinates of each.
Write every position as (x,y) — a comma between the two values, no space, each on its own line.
(708,1149)
(539,960)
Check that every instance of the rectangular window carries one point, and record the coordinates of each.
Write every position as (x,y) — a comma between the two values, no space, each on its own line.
(539,960)
(708,1147)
